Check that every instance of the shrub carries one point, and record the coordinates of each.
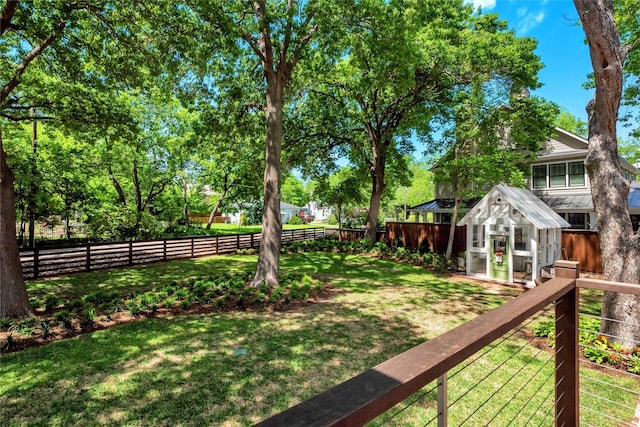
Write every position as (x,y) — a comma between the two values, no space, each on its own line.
(332,220)
(50,302)
(24,327)
(294,220)
(63,317)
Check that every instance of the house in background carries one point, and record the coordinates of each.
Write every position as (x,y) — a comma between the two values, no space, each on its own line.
(558,177)
(287,210)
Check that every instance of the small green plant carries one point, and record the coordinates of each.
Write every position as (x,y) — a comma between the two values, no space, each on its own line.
(45,328)
(63,317)
(88,316)
(260,297)
(133,307)
(51,302)
(168,303)
(596,350)
(185,304)
(5,322)
(76,305)
(24,327)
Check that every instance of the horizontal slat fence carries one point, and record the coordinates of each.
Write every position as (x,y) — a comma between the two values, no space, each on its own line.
(54,261)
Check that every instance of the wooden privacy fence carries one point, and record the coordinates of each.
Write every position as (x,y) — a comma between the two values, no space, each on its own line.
(53,261)
(577,245)
(416,236)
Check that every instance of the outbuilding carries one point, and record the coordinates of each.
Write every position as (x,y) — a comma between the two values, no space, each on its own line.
(512,236)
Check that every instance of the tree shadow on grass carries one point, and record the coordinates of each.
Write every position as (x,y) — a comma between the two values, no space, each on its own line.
(184,370)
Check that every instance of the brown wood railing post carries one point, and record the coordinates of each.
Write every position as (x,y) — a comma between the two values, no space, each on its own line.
(88,257)
(36,262)
(252,235)
(164,249)
(217,251)
(238,241)
(130,252)
(304,234)
(192,244)
(567,366)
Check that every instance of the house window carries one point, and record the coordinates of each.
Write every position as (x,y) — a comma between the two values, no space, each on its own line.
(557,175)
(576,174)
(478,236)
(578,221)
(521,235)
(540,176)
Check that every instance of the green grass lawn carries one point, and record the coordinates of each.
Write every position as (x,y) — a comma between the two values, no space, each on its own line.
(183,370)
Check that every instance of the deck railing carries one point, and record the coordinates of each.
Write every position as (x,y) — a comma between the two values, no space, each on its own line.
(52,261)
(425,368)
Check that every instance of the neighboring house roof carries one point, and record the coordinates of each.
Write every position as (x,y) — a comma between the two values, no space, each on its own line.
(442,205)
(285,205)
(530,206)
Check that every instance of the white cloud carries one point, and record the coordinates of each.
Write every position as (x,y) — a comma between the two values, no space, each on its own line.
(484,4)
(529,21)
(522,11)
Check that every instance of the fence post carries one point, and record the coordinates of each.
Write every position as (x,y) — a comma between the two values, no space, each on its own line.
(304,234)
(443,416)
(164,249)
(252,234)
(238,241)
(36,262)
(192,243)
(217,252)
(130,252)
(567,366)
(88,257)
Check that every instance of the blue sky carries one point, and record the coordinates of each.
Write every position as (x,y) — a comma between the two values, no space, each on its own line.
(561,47)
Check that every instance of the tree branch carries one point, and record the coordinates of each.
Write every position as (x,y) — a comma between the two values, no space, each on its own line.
(8,11)
(37,50)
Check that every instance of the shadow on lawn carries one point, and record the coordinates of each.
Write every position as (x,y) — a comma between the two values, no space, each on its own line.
(184,371)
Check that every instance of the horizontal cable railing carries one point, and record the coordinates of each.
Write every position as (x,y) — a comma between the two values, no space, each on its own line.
(53,261)
(492,371)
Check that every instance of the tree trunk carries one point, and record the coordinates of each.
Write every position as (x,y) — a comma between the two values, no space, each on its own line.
(268,268)
(452,230)
(225,189)
(185,206)
(14,301)
(609,188)
(377,178)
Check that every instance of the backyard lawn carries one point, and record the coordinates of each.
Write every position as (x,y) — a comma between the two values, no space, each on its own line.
(239,367)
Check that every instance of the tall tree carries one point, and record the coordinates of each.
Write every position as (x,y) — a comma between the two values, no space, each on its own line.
(609,188)
(274,36)
(89,42)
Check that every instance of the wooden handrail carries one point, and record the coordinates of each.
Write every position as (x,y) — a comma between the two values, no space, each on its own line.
(364,397)
(603,285)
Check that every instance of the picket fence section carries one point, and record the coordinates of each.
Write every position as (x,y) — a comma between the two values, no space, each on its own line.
(54,261)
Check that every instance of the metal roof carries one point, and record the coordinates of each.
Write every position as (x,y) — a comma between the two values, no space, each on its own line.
(442,205)
(531,207)
(569,202)
(285,205)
